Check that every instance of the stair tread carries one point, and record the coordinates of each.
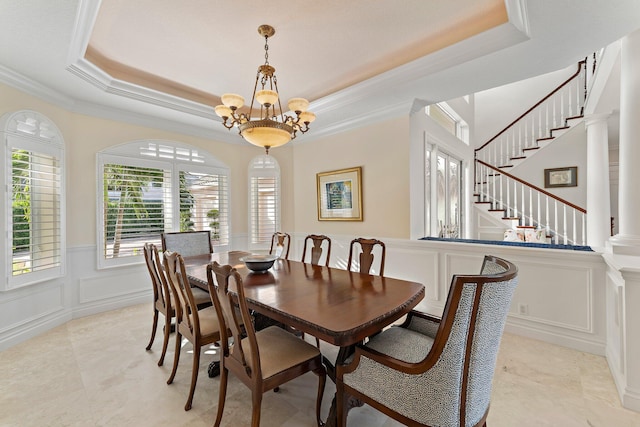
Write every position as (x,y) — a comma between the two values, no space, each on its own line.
(531,148)
(506,166)
(517,158)
(546,138)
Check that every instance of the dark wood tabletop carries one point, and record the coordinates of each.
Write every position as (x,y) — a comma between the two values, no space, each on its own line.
(335,305)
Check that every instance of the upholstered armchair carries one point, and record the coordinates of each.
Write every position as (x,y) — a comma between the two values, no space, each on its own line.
(430,371)
(187,243)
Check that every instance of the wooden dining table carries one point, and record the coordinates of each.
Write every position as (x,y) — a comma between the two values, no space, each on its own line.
(337,306)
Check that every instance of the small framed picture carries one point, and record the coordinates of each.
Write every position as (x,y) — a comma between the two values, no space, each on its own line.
(561,177)
(340,195)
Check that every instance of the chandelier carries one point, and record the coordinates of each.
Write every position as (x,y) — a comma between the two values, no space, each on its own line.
(271,128)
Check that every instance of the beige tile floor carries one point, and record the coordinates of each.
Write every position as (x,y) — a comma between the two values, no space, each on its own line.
(95,371)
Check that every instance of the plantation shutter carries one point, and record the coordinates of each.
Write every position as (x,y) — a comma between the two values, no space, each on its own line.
(137,208)
(35,197)
(264,199)
(33,181)
(204,205)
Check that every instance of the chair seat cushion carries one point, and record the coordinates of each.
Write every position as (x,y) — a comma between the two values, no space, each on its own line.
(209,325)
(280,350)
(201,297)
(403,344)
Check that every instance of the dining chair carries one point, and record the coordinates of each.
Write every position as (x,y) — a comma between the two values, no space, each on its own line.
(162,301)
(430,371)
(200,327)
(262,360)
(280,243)
(187,243)
(365,254)
(321,244)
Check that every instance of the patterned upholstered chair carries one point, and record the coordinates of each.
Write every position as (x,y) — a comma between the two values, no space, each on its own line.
(365,255)
(436,372)
(280,243)
(187,243)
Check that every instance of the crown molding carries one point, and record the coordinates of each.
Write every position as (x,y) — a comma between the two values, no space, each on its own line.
(31,87)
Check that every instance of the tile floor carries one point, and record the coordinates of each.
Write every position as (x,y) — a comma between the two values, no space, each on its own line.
(95,371)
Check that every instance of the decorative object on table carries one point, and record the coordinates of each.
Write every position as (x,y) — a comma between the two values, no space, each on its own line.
(340,195)
(259,263)
(271,128)
(561,177)
(431,371)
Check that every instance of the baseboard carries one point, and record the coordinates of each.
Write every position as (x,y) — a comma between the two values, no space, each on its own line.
(33,328)
(89,309)
(563,340)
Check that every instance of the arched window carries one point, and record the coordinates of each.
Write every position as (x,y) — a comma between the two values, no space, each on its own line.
(264,200)
(33,180)
(151,186)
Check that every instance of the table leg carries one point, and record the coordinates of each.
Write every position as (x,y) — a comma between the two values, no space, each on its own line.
(343,354)
(214,369)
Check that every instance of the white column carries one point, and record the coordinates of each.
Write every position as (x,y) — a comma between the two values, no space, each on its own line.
(627,241)
(598,200)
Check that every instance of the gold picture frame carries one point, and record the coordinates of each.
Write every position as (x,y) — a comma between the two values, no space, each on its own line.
(340,195)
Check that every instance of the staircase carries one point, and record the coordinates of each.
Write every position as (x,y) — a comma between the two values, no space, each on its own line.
(532,212)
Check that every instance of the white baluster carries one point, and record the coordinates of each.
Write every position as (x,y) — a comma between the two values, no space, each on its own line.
(575,230)
(555,220)
(564,223)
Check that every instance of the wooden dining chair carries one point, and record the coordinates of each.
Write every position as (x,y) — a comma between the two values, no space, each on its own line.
(365,255)
(430,371)
(262,360)
(187,243)
(200,327)
(321,244)
(280,243)
(162,301)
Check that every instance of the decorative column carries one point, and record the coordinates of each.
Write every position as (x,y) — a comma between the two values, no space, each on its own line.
(627,241)
(598,200)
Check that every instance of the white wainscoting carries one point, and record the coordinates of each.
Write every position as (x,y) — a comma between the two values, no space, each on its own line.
(560,297)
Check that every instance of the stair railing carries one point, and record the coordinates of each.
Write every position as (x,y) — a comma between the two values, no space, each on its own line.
(536,124)
(564,222)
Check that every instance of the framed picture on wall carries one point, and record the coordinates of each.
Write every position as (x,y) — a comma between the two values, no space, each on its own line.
(561,177)
(340,195)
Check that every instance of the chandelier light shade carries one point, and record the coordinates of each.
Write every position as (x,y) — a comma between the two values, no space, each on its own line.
(271,127)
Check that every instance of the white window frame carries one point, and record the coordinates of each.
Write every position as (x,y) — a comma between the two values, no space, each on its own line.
(44,138)
(158,154)
(263,166)
(461,127)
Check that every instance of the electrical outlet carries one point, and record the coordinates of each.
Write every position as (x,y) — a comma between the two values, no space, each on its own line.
(523,309)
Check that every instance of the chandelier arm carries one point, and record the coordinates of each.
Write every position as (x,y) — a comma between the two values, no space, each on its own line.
(275,84)
(253,96)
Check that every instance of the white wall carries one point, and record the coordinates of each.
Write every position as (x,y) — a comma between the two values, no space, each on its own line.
(496,108)
(382,150)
